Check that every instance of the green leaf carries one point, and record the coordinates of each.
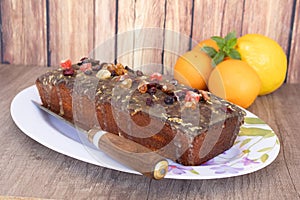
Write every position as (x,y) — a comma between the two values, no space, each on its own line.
(264,157)
(230,36)
(277,141)
(245,131)
(246,141)
(220,41)
(265,149)
(234,54)
(253,120)
(226,50)
(194,171)
(219,57)
(209,51)
(231,43)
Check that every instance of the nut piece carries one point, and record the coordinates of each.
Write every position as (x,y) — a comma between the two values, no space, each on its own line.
(205,95)
(103,74)
(142,87)
(120,69)
(127,83)
(168,88)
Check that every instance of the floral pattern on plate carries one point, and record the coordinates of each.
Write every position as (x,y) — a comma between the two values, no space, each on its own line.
(255,147)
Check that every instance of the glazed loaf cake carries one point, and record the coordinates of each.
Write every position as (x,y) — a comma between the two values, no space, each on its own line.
(183,124)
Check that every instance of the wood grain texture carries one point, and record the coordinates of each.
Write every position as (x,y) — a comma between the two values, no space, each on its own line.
(1,55)
(293,75)
(270,19)
(104,30)
(125,38)
(178,25)
(71,29)
(148,44)
(216,18)
(24,31)
(29,169)
(140,35)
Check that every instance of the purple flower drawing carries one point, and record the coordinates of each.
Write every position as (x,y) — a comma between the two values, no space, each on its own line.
(210,162)
(246,161)
(222,169)
(178,169)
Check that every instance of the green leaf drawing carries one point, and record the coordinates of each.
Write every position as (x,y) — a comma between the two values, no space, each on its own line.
(271,134)
(246,151)
(264,157)
(253,120)
(246,141)
(277,141)
(246,131)
(236,142)
(194,171)
(265,149)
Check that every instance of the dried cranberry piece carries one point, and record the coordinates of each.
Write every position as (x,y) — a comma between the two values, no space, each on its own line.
(152,90)
(169,100)
(149,102)
(159,86)
(68,72)
(152,84)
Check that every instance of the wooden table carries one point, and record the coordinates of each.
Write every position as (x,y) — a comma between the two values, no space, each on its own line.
(28,169)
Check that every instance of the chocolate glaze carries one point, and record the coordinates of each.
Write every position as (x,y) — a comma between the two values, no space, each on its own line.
(122,93)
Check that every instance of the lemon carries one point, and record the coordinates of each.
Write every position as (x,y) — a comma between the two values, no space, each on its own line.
(266,57)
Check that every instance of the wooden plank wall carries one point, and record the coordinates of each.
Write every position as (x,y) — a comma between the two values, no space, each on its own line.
(43,32)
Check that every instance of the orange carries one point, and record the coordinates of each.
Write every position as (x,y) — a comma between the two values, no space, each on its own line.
(207,42)
(235,81)
(266,57)
(193,69)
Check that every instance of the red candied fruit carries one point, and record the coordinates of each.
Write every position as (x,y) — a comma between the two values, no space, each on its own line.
(67,64)
(192,96)
(156,76)
(86,66)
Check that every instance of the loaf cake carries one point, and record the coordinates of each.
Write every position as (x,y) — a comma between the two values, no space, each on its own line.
(186,125)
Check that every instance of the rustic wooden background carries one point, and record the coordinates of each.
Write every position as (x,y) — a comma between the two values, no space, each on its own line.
(43,32)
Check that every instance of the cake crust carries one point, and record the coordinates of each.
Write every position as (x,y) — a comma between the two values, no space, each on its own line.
(185,125)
